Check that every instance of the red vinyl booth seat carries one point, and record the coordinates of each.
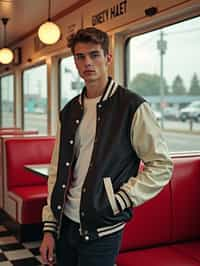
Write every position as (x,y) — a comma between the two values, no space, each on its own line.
(25,192)
(17,131)
(32,199)
(5,133)
(165,231)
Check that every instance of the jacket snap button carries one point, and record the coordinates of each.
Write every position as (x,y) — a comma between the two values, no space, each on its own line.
(82,213)
(67,163)
(77,121)
(59,207)
(63,186)
(71,141)
(87,238)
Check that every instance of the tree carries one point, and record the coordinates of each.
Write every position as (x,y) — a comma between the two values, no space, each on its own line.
(178,87)
(147,84)
(194,85)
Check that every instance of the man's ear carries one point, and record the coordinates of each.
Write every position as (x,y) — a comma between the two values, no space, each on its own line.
(109,58)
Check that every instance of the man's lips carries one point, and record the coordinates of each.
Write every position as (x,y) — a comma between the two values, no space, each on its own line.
(89,71)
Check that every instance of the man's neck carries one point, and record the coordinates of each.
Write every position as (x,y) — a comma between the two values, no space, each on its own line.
(95,88)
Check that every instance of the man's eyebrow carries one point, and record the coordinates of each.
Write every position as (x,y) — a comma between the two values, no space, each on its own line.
(79,54)
(93,51)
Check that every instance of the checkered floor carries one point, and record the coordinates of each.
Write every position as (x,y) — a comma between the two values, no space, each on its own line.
(13,253)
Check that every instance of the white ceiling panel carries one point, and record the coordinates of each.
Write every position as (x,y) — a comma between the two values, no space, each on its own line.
(26,15)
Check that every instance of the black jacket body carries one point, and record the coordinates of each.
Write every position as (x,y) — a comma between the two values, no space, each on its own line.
(113,156)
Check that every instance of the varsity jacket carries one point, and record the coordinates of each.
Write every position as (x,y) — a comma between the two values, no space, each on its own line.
(126,133)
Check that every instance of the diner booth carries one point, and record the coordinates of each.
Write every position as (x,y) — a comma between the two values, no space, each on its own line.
(24,193)
(164,230)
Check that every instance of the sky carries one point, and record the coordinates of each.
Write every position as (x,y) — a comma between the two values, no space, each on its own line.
(182,56)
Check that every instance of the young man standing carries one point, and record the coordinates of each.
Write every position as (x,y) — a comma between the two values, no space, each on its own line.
(103,134)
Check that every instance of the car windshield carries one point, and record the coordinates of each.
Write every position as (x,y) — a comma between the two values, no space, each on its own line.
(195,104)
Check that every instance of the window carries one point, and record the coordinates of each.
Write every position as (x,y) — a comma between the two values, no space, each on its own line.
(164,67)
(7,101)
(35,98)
(70,81)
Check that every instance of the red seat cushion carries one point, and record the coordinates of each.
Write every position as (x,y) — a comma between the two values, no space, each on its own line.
(191,249)
(161,256)
(34,198)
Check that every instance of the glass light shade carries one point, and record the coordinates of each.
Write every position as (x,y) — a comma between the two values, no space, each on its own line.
(6,55)
(49,33)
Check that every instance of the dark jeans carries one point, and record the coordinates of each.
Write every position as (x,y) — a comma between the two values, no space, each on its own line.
(72,250)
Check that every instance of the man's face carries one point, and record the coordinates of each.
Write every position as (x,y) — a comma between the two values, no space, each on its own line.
(91,62)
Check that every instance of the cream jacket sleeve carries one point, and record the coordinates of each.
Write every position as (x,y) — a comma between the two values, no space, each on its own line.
(50,223)
(151,148)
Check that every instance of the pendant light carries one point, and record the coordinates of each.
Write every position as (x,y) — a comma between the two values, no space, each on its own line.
(49,32)
(6,54)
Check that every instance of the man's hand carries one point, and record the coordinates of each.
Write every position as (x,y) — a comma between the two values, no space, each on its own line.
(47,248)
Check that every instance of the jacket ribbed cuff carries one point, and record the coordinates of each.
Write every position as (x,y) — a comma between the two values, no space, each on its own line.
(123,200)
(50,227)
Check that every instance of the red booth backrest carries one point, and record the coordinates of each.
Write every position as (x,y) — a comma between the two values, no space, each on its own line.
(22,151)
(151,223)
(171,216)
(185,185)
(5,132)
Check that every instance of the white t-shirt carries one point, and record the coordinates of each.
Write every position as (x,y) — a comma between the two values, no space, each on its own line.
(84,141)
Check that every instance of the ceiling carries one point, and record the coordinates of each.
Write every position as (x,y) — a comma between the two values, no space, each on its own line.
(26,15)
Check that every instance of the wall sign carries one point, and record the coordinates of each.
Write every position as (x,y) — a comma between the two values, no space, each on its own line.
(114,11)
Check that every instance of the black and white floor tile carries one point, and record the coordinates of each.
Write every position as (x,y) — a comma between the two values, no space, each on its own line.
(13,253)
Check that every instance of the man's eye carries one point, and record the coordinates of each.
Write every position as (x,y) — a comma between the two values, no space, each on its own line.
(94,55)
(80,56)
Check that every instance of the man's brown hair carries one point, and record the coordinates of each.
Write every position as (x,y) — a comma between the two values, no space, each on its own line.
(90,35)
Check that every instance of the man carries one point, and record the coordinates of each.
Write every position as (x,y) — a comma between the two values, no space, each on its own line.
(94,180)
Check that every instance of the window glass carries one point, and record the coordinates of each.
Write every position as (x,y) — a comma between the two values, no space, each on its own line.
(35,98)
(7,101)
(164,67)
(70,81)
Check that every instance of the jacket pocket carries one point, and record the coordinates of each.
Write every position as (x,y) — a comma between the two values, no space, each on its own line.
(110,194)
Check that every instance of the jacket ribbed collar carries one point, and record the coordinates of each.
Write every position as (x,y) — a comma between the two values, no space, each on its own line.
(110,88)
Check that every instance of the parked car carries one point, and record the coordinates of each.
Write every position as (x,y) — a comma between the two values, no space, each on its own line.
(157,114)
(192,111)
(171,112)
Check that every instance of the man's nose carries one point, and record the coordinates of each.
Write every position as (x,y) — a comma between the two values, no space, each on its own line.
(88,60)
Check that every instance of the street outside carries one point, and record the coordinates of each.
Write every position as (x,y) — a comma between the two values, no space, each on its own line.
(180,136)
(179,142)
